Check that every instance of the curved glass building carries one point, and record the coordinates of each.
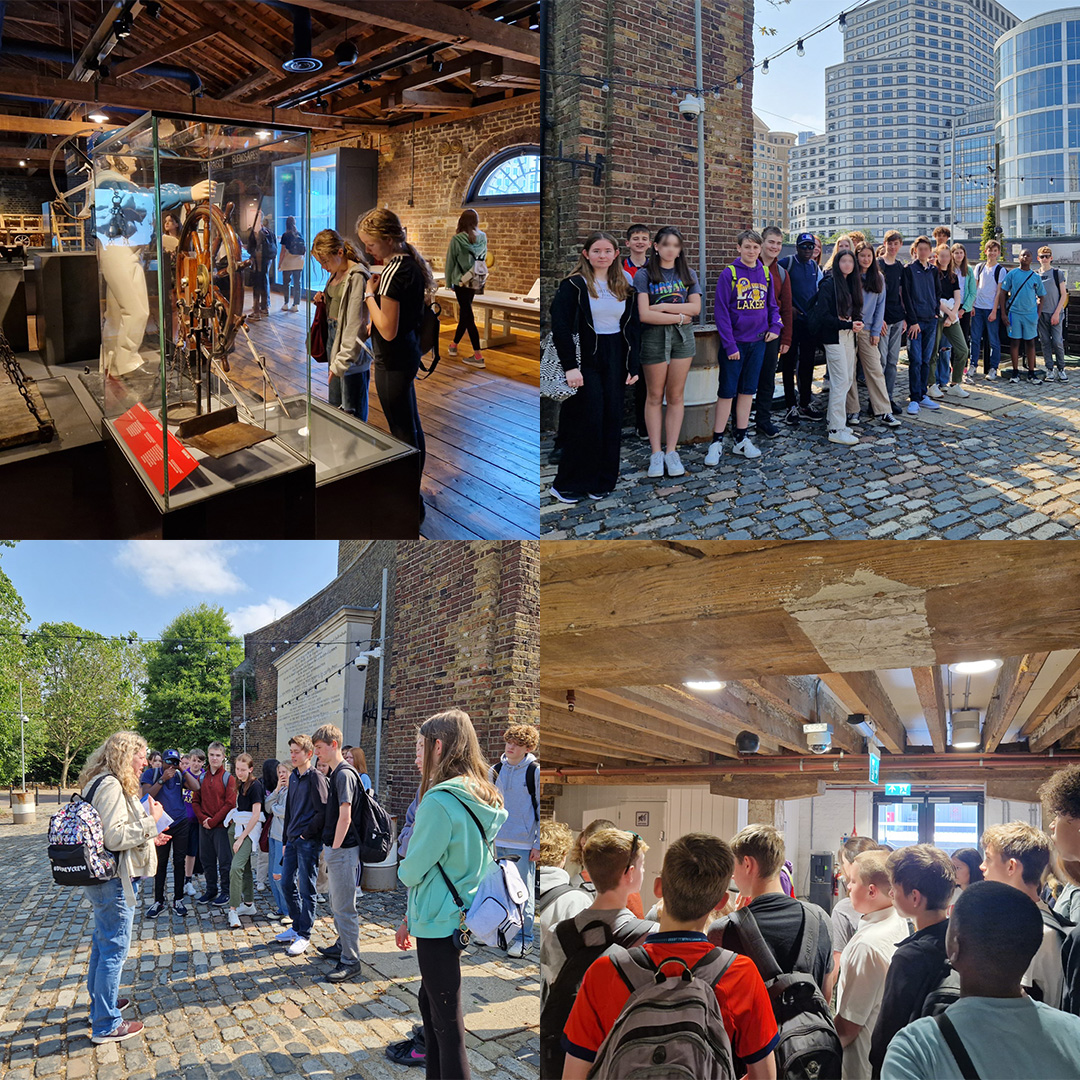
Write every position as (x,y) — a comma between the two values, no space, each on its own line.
(1037,112)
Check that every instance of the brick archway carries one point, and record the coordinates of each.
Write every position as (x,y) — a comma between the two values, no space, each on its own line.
(471,163)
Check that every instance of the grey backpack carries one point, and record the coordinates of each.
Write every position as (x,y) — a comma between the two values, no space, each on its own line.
(671,1027)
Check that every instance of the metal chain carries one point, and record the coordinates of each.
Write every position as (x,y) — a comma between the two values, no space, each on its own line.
(15,374)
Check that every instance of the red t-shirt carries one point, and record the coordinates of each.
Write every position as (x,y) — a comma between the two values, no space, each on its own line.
(741,994)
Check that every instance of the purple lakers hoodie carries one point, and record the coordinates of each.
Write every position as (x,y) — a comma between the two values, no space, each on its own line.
(746,308)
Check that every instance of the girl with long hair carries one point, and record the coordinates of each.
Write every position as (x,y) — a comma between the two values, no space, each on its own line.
(836,318)
(868,341)
(966,276)
(668,298)
(457,820)
(109,781)
(246,820)
(467,247)
(842,243)
(291,264)
(951,291)
(275,805)
(396,307)
(348,327)
(596,305)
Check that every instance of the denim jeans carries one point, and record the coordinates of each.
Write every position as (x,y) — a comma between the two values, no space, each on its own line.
(277,882)
(350,393)
(108,951)
(920,350)
(980,322)
(291,281)
(890,354)
(527,870)
(342,865)
(299,868)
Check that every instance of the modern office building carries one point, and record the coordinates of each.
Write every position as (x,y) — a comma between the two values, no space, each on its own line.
(807,179)
(1037,67)
(910,68)
(771,150)
(967,171)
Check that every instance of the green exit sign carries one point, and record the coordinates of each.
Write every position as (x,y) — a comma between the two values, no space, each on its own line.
(897,789)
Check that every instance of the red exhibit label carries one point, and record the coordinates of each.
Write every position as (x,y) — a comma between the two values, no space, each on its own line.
(143,436)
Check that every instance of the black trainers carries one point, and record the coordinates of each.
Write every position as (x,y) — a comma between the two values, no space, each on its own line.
(767,428)
(221,900)
(810,414)
(206,898)
(791,417)
(154,910)
(408,1051)
(344,973)
(179,908)
(331,952)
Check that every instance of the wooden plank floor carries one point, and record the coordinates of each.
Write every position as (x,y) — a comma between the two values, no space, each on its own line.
(482,428)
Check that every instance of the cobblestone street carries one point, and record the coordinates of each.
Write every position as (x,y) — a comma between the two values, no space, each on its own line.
(1000,464)
(229,1004)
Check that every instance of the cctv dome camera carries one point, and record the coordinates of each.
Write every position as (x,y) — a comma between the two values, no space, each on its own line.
(691,107)
(818,737)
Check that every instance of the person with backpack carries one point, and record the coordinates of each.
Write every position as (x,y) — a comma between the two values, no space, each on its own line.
(345,818)
(466,274)
(556,898)
(864,963)
(347,323)
(396,308)
(168,783)
(892,270)
(995,1030)
(922,879)
(797,363)
(458,817)
(772,242)
(1018,854)
(261,248)
(1052,315)
(984,313)
(517,777)
(291,264)
(109,782)
(1060,796)
(714,1001)
(747,318)
(1022,291)
(213,801)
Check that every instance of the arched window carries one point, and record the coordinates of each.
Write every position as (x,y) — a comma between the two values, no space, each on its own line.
(512,176)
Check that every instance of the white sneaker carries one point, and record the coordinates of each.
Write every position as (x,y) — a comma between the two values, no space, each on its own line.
(929,403)
(746,448)
(298,946)
(934,391)
(846,437)
(518,948)
(562,498)
(716,448)
(234,919)
(958,390)
(1063,376)
(286,936)
(992,373)
(246,909)
(674,463)
(656,464)
(189,889)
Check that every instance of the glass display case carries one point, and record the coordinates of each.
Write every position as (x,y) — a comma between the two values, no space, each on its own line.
(197,362)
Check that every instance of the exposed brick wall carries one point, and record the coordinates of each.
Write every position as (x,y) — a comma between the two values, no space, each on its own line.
(466,636)
(650,169)
(25,194)
(429,167)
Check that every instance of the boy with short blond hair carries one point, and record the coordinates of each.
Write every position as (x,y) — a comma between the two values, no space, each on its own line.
(557,898)
(1052,314)
(864,963)
(693,883)
(517,776)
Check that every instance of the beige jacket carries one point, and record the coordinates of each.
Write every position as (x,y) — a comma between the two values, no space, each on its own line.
(128,830)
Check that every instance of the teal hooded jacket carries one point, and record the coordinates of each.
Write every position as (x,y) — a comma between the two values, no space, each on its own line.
(443,833)
(461,255)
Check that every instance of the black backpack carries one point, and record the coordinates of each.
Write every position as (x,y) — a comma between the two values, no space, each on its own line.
(563,991)
(809,1046)
(429,335)
(531,774)
(944,992)
(372,823)
(293,243)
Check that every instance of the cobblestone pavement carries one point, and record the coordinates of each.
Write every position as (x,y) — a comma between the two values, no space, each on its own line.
(228,1004)
(1000,464)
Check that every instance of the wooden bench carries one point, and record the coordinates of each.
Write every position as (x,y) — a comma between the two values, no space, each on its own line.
(514,311)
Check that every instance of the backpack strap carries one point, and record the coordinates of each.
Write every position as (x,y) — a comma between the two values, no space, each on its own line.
(754,945)
(549,898)
(633,966)
(956,1045)
(93,789)
(531,774)
(713,965)
(808,948)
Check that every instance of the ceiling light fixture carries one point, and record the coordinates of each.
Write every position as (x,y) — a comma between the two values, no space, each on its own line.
(98,117)
(974,667)
(706,685)
(966,734)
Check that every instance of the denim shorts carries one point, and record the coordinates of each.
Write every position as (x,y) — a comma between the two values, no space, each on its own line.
(659,344)
(741,376)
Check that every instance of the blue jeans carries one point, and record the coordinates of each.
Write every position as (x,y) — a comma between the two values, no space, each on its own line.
(291,280)
(920,351)
(277,881)
(108,951)
(527,870)
(980,321)
(350,393)
(299,869)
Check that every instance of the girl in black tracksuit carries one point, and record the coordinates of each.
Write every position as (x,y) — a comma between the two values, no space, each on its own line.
(595,303)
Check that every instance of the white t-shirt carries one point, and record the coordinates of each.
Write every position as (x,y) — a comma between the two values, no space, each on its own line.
(1045,969)
(864,963)
(986,286)
(1006,1039)
(607,310)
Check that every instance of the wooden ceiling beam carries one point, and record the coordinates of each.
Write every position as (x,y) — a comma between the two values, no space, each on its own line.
(1013,683)
(806,699)
(519,102)
(861,691)
(1065,718)
(34,125)
(781,787)
(1063,685)
(416,80)
(168,48)
(558,742)
(243,43)
(615,738)
(931,693)
(15,154)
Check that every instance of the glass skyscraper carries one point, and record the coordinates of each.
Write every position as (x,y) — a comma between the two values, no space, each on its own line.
(967,161)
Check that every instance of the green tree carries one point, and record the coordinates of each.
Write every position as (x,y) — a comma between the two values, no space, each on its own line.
(89,687)
(14,671)
(188,680)
(989,225)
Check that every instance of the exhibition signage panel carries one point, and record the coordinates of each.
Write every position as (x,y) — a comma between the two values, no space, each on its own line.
(875,763)
(897,789)
(143,436)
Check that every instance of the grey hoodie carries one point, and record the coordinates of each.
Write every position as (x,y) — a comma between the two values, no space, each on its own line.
(521,829)
(347,353)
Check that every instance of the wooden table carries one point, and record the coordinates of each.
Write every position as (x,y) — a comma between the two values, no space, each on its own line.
(513,311)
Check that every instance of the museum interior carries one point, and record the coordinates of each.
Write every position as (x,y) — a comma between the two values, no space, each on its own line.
(165,171)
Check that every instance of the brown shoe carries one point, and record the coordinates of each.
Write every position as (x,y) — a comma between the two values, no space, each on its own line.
(127,1030)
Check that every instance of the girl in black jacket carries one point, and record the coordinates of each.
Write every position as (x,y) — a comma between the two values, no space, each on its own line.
(596,304)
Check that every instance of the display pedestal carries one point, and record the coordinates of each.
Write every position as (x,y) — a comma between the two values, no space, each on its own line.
(13,307)
(68,307)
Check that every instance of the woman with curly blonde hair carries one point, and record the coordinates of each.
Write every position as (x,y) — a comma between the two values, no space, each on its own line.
(458,817)
(109,781)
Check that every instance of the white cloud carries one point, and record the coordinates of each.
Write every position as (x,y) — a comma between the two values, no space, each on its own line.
(176,566)
(253,616)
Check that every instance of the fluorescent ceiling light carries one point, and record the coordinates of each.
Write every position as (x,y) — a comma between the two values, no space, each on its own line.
(705,684)
(974,667)
(98,117)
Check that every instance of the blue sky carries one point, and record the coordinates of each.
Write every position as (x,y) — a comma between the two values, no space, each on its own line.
(115,587)
(792,96)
